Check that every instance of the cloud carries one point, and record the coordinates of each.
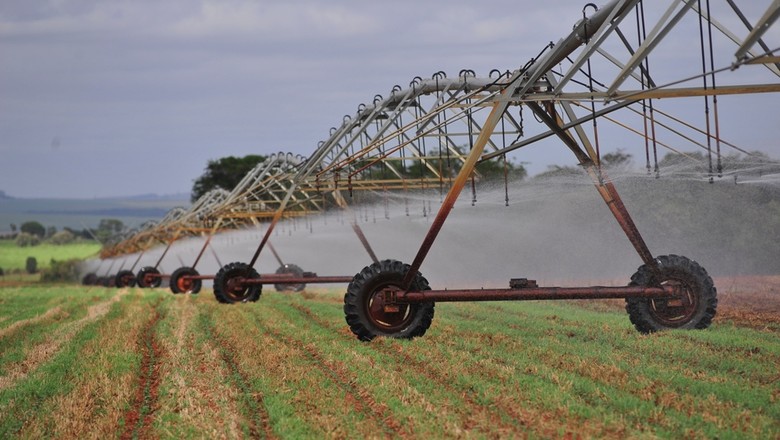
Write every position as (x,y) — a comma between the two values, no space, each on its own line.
(274,20)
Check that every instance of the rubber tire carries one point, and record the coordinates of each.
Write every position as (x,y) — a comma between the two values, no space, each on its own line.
(195,285)
(89,279)
(645,313)
(140,278)
(293,269)
(222,289)
(125,278)
(372,279)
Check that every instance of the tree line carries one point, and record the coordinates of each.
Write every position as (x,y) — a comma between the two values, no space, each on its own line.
(33,233)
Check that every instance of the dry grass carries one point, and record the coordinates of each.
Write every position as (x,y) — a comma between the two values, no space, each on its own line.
(288,367)
(49,315)
(39,354)
(194,392)
(95,407)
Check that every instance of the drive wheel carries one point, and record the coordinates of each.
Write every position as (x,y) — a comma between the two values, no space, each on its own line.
(229,286)
(693,310)
(145,281)
(89,279)
(297,272)
(181,283)
(364,305)
(125,278)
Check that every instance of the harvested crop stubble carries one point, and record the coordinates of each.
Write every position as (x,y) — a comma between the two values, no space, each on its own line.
(95,406)
(195,399)
(138,418)
(288,367)
(41,353)
(250,413)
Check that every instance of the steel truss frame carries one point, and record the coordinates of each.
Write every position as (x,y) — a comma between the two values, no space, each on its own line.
(417,127)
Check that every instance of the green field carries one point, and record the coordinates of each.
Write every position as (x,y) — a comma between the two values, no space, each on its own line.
(95,362)
(15,257)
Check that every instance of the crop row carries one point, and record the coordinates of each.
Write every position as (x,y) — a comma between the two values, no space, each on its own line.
(133,363)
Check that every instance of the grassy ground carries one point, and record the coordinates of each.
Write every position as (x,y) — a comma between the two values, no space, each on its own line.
(15,257)
(132,363)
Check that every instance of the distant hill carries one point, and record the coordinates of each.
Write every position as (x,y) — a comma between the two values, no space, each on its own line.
(81,213)
(152,196)
(3,195)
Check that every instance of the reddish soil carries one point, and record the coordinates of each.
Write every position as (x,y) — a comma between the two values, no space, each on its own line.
(524,416)
(747,301)
(359,398)
(139,418)
(751,301)
(257,416)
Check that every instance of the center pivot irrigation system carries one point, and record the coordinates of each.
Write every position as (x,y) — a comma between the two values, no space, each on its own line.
(434,135)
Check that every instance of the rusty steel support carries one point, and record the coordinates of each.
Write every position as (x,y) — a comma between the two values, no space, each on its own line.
(615,204)
(110,266)
(362,237)
(495,116)
(274,221)
(518,84)
(216,257)
(397,296)
(276,254)
(604,187)
(137,260)
(167,248)
(202,250)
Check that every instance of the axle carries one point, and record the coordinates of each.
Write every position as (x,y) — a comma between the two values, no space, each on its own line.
(307,278)
(394,295)
(281,278)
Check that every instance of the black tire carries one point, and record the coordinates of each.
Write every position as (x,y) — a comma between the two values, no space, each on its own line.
(125,278)
(179,282)
(109,280)
(89,279)
(142,280)
(227,286)
(295,270)
(364,309)
(694,310)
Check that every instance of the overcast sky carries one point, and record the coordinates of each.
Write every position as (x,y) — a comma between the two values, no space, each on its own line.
(111,98)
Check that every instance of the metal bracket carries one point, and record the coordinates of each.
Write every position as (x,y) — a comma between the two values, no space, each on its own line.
(390,300)
(522,283)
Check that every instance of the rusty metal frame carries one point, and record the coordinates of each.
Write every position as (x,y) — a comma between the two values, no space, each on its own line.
(379,136)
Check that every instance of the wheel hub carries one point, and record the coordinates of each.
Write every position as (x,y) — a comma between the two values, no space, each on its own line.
(235,287)
(384,311)
(184,283)
(673,311)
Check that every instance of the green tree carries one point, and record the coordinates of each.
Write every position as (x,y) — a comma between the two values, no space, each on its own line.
(450,165)
(107,228)
(62,237)
(618,158)
(62,271)
(224,173)
(33,228)
(24,240)
(493,170)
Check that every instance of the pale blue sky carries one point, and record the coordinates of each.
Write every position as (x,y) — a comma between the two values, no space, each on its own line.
(128,97)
